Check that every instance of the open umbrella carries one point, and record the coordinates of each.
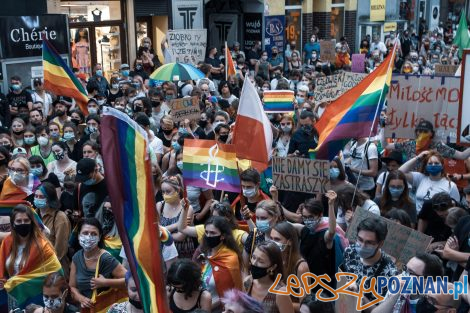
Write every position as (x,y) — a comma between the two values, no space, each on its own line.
(176,71)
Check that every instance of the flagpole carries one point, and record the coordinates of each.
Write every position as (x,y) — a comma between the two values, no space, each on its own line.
(226,62)
(375,118)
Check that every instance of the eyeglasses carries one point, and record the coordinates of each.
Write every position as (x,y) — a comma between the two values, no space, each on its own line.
(409,271)
(17,170)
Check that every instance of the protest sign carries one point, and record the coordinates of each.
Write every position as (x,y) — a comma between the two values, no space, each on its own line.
(412,98)
(345,303)
(301,175)
(401,242)
(464,103)
(445,70)
(358,63)
(185,108)
(329,88)
(187,45)
(327,50)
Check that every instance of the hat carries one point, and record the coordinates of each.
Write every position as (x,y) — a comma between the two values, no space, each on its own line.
(425,125)
(393,156)
(19,150)
(63,99)
(124,66)
(85,167)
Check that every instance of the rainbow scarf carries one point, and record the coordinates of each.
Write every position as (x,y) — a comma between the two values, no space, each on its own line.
(354,113)
(11,191)
(59,79)
(26,286)
(129,182)
(225,269)
(6,206)
(278,101)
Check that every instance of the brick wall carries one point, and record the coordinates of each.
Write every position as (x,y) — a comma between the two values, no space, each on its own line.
(323,21)
(350,30)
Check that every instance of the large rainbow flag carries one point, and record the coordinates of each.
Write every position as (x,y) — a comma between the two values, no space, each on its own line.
(278,101)
(6,206)
(353,114)
(129,181)
(209,164)
(59,79)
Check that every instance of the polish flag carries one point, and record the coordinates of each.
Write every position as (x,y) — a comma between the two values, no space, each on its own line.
(253,136)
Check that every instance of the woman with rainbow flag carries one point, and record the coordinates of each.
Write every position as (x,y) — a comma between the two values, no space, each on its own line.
(26,258)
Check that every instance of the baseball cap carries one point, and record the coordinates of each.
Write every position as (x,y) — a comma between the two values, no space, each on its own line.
(425,125)
(125,66)
(85,167)
(19,150)
(63,99)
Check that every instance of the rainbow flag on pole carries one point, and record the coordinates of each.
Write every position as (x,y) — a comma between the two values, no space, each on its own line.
(59,79)
(130,186)
(209,164)
(278,101)
(354,114)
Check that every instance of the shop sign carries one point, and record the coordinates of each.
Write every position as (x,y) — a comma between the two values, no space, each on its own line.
(377,10)
(21,35)
(274,32)
(390,27)
(187,14)
(252,29)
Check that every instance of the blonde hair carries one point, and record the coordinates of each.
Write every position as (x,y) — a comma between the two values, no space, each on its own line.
(271,208)
(23,161)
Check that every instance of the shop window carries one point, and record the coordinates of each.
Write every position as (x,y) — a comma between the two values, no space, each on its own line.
(293,2)
(294,27)
(81,53)
(108,48)
(337,22)
(87,11)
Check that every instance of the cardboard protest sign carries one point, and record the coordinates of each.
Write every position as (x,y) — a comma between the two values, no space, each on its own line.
(463,132)
(185,108)
(327,50)
(187,45)
(299,174)
(401,242)
(445,70)
(412,98)
(329,88)
(345,303)
(358,63)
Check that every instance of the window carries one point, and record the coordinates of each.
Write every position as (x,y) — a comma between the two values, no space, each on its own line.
(96,11)
(294,27)
(337,22)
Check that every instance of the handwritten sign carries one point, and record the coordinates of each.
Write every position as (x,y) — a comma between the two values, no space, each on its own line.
(187,45)
(301,175)
(412,98)
(445,70)
(345,303)
(330,88)
(185,108)
(327,50)
(358,63)
(401,242)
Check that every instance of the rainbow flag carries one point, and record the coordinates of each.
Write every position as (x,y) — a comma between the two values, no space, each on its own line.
(130,186)
(209,164)
(6,206)
(278,101)
(354,113)
(26,286)
(229,65)
(59,79)
(113,245)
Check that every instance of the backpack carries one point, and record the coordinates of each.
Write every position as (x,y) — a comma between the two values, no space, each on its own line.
(366,149)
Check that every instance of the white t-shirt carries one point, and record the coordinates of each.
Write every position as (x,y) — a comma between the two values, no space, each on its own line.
(426,188)
(156,144)
(368,205)
(357,156)
(47,101)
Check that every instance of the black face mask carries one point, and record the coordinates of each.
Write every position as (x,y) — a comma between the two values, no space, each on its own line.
(136,304)
(108,221)
(213,241)
(137,109)
(75,121)
(203,124)
(155,103)
(23,229)
(424,306)
(8,147)
(223,138)
(258,272)
(18,132)
(167,131)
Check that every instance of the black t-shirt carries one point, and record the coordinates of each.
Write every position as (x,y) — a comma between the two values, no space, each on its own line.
(436,225)
(19,100)
(250,55)
(166,142)
(302,142)
(89,197)
(215,62)
(52,179)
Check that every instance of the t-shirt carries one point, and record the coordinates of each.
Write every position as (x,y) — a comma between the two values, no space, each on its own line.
(19,100)
(309,47)
(90,197)
(251,55)
(436,226)
(215,62)
(358,160)
(83,275)
(426,188)
(36,150)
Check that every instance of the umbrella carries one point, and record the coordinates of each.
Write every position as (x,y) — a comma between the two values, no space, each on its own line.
(176,71)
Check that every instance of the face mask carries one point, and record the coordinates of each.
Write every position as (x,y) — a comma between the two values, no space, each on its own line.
(286,129)
(52,303)
(366,252)
(136,304)
(89,182)
(16,87)
(434,170)
(382,121)
(138,67)
(23,229)
(249,192)
(88,242)
(169,98)
(300,100)
(115,86)
(258,272)
(92,110)
(282,246)
(172,197)
(125,73)
(264,57)
(101,102)
(223,138)
(307,129)
(179,165)
(263,226)
(40,203)
(175,145)
(75,121)
(334,173)
(69,136)
(155,104)
(423,306)
(396,192)
(59,156)
(8,147)
(213,241)
(99,73)
(37,171)
(16,177)
(314,57)
(91,129)
(392,37)
(203,124)
(137,109)
(312,39)
(278,76)
(55,135)
(274,54)
(29,140)
(18,132)
(311,223)
(167,131)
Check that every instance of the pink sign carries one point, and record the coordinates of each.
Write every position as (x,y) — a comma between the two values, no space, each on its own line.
(358,61)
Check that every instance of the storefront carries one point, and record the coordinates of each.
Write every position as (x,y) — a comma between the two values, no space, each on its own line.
(97,34)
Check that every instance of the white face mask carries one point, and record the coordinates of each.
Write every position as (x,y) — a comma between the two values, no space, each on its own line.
(43,141)
(88,242)
(53,304)
(249,192)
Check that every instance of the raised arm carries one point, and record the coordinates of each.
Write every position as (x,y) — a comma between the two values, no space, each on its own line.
(330,233)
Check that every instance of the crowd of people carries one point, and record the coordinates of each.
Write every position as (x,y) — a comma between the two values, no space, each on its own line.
(223,251)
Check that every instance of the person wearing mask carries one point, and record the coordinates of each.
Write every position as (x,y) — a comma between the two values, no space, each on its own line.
(20,184)
(222,132)
(149,57)
(29,138)
(337,174)
(155,143)
(17,132)
(41,95)
(20,256)
(92,256)
(114,90)
(185,280)
(393,161)
(139,69)
(431,179)
(276,61)
(432,218)
(124,71)
(70,138)
(101,81)
(305,137)
(43,149)
(365,258)
(158,108)
(262,67)
(91,190)
(47,202)
(295,63)
(62,165)
(54,132)
(55,291)
(166,132)
(265,266)
(236,301)
(93,107)
(311,46)
(76,117)
(283,141)
(39,169)
(17,97)
(134,304)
